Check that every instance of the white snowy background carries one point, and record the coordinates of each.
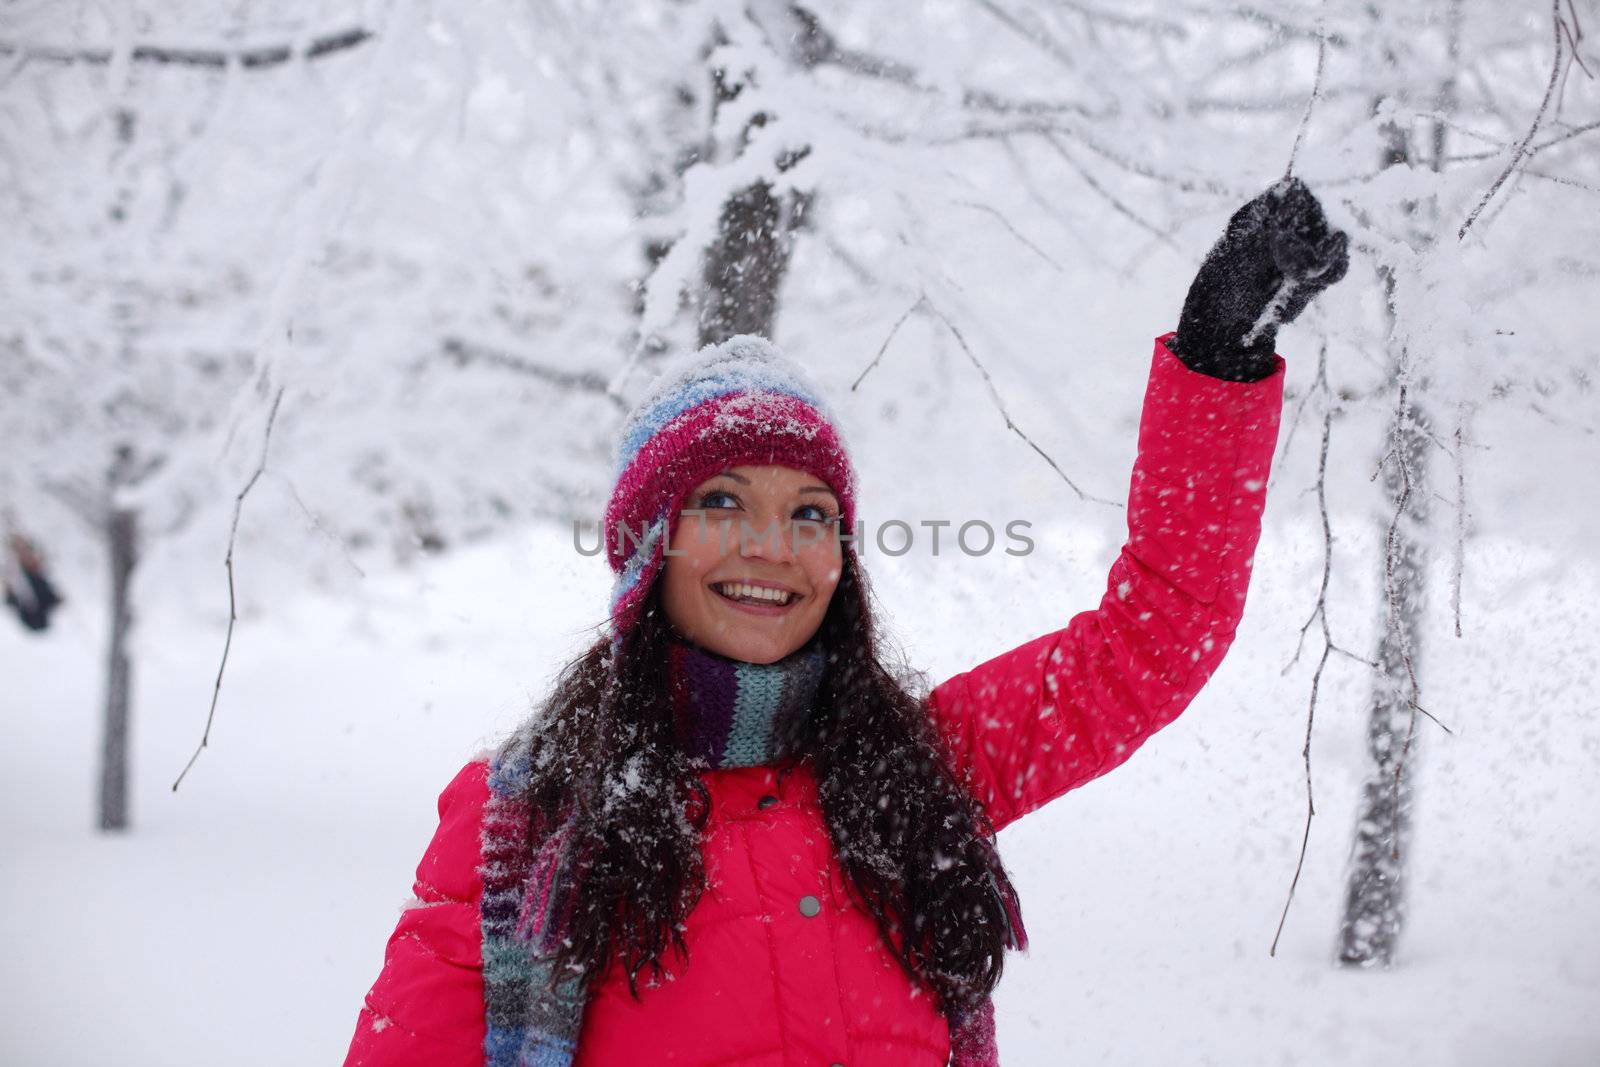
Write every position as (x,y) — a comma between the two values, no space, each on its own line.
(479,173)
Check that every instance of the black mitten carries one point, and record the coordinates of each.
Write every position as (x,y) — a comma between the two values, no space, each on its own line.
(1278,253)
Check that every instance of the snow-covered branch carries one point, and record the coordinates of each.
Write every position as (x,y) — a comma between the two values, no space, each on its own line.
(252,57)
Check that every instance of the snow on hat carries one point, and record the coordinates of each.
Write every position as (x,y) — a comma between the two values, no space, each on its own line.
(738,402)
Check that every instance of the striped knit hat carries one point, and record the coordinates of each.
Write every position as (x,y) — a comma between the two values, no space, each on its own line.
(738,402)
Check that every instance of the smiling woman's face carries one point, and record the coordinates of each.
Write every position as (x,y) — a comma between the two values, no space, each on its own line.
(752,576)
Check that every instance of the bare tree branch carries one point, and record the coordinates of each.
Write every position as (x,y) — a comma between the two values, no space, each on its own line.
(823,49)
(1275,23)
(1459,564)
(1519,153)
(1090,248)
(1573,37)
(1577,131)
(331,536)
(1311,102)
(1034,35)
(1571,183)
(254,58)
(233,603)
(1238,62)
(1116,205)
(1154,27)
(846,258)
(466,352)
(994,394)
(1021,238)
(1196,184)
(901,321)
(1319,613)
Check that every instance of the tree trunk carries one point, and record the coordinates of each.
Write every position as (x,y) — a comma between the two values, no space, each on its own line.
(122,531)
(744,266)
(1374,910)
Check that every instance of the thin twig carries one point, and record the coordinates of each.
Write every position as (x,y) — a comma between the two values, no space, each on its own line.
(256,58)
(1235,63)
(1319,612)
(1296,413)
(1034,35)
(1378,469)
(1199,184)
(1520,152)
(1141,23)
(1278,25)
(464,352)
(233,603)
(1364,661)
(331,536)
(987,100)
(1319,609)
(1460,565)
(1136,165)
(1117,205)
(1574,38)
(994,394)
(1571,183)
(1576,131)
(1311,804)
(1090,249)
(901,321)
(1311,102)
(1018,234)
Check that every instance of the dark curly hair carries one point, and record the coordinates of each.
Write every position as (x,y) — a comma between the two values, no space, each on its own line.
(916,848)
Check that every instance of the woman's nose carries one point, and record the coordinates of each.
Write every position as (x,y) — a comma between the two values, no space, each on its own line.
(766,538)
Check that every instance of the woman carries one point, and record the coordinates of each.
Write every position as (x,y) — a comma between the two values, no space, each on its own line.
(731,835)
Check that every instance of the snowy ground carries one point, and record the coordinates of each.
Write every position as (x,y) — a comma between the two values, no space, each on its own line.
(244,917)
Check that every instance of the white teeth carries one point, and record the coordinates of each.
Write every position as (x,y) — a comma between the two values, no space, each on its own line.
(754,592)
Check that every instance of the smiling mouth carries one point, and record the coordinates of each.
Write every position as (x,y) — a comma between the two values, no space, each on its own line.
(761,596)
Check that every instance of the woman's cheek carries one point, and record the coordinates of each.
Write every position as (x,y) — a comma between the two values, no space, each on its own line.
(723,540)
(712,540)
(696,544)
(823,569)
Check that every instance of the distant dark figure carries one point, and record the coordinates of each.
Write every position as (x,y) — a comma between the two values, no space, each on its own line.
(28,592)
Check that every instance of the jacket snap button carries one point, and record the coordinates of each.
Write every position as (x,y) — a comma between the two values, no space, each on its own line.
(810,906)
(766,802)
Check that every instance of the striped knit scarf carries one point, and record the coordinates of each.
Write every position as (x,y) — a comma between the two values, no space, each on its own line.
(729,713)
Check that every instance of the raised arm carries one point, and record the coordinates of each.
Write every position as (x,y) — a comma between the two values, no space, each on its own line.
(1066,707)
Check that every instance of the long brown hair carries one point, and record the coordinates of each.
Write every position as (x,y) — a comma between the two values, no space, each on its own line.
(916,849)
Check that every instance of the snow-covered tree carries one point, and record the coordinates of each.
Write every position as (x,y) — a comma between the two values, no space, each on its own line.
(115,373)
(205,237)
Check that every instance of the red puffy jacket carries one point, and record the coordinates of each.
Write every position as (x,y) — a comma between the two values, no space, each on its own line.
(777,981)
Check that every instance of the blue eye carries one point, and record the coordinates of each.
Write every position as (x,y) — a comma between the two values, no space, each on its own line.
(709,500)
(821,514)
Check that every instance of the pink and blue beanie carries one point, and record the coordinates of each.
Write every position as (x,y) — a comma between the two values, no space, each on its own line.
(738,402)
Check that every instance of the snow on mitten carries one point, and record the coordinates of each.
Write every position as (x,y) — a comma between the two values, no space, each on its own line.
(1278,253)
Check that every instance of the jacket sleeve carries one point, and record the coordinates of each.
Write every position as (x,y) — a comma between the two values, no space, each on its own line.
(1023,728)
(426,1008)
